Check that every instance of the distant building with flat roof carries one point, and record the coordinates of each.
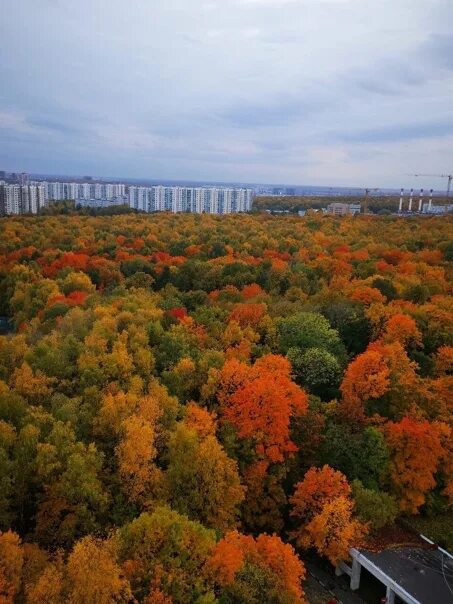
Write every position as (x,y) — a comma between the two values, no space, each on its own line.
(428,208)
(212,200)
(22,199)
(102,203)
(343,209)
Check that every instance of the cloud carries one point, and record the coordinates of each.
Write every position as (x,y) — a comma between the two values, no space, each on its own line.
(309,91)
(439,49)
(402,132)
(277,112)
(12,120)
(281,2)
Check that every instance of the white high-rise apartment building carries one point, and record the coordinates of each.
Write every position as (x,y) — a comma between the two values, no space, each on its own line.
(56,191)
(110,191)
(133,197)
(99,191)
(72,190)
(45,191)
(10,199)
(187,199)
(168,199)
(176,199)
(198,200)
(33,200)
(17,199)
(22,199)
(227,201)
(242,200)
(212,200)
(139,198)
(42,195)
(157,199)
(25,207)
(85,191)
(142,199)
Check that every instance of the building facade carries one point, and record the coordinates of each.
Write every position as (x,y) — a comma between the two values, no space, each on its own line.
(343,209)
(212,200)
(22,199)
(29,198)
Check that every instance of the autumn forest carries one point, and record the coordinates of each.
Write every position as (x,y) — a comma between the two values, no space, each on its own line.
(191,404)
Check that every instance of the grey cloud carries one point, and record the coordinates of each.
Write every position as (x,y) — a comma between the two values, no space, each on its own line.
(439,48)
(274,114)
(389,79)
(402,132)
(307,91)
(60,127)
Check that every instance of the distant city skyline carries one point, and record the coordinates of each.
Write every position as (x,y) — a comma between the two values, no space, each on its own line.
(325,92)
(278,188)
(29,196)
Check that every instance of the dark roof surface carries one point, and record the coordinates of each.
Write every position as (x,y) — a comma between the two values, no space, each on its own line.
(426,574)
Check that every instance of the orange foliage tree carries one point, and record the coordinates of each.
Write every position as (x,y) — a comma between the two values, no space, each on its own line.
(247,315)
(252,291)
(366,377)
(402,328)
(384,368)
(367,295)
(319,486)
(334,530)
(417,448)
(235,551)
(323,506)
(259,402)
(199,419)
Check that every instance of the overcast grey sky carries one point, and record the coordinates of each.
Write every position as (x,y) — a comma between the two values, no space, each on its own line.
(354,92)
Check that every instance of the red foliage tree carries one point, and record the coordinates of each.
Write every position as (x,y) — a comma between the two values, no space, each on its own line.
(247,315)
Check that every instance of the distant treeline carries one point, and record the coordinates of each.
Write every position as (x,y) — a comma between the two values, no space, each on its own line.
(293,204)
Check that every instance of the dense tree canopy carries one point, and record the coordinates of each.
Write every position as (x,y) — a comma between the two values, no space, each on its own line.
(188,403)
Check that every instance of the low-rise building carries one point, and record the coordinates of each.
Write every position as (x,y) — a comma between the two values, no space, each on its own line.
(343,209)
(428,208)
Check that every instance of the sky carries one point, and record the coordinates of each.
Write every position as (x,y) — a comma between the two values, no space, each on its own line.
(315,92)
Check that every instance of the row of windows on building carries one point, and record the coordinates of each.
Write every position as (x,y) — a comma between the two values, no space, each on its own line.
(211,200)
(343,209)
(22,199)
(75,190)
(29,198)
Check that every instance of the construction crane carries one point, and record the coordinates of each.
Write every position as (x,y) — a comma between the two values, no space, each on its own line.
(367,192)
(448,176)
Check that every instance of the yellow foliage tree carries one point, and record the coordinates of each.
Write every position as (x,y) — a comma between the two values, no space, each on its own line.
(135,453)
(94,575)
(11,563)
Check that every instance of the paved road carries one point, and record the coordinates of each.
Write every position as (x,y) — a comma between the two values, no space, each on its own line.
(321,585)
